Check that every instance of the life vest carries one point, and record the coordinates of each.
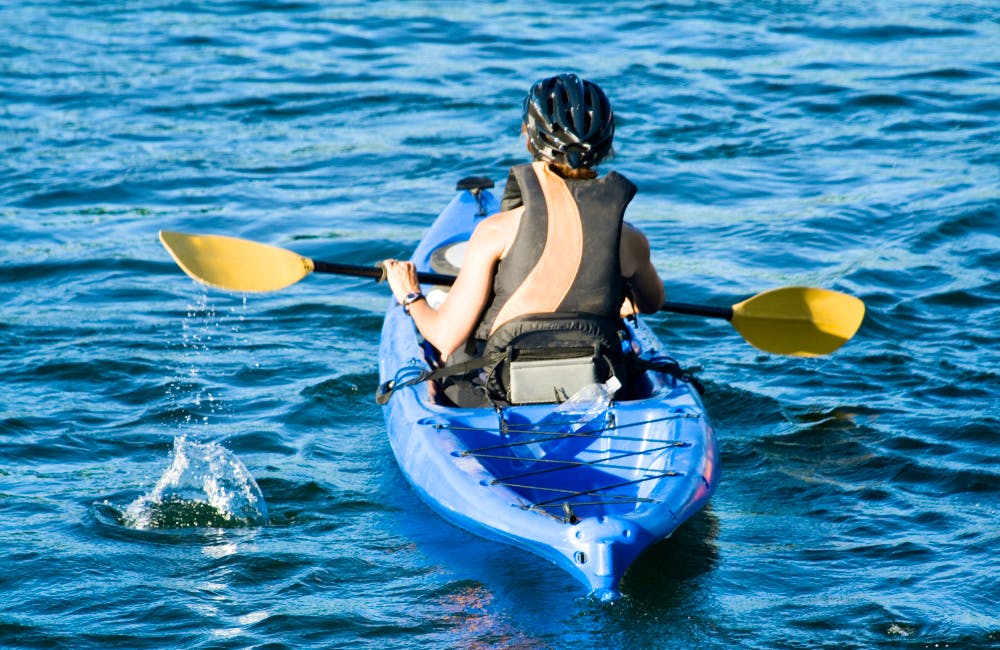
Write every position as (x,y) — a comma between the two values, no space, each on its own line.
(565,254)
(552,325)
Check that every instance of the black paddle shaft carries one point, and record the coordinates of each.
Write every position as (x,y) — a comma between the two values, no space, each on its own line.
(377,272)
(709,311)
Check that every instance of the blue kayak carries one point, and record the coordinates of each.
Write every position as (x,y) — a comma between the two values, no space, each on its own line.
(588,489)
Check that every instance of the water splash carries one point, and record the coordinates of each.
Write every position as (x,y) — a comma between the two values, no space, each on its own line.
(206,485)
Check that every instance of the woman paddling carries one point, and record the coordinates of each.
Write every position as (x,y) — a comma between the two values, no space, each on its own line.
(560,247)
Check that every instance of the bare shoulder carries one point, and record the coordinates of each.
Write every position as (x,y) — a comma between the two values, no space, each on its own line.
(633,250)
(633,239)
(499,222)
(637,267)
(495,233)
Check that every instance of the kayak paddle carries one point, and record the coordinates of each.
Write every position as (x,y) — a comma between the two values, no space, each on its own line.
(796,321)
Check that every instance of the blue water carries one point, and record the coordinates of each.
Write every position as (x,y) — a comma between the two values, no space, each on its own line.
(844,144)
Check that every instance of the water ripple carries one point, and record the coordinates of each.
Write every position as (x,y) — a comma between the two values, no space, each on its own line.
(847,145)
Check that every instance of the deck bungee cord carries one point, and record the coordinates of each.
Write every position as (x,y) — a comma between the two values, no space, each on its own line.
(566,464)
(567,495)
(567,498)
(603,463)
(592,433)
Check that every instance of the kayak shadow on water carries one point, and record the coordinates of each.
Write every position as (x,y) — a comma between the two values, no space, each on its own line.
(206,486)
(657,577)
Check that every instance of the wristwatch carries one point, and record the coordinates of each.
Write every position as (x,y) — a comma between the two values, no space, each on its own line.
(410,299)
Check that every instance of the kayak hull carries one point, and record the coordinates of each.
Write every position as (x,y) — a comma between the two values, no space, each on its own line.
(590,495)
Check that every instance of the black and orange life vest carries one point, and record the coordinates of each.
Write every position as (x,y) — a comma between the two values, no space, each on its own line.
(565,255)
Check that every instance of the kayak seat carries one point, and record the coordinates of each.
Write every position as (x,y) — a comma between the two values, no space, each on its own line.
(533,359)
(546,358)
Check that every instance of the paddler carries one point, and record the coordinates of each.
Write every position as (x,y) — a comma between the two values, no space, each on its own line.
(560,245)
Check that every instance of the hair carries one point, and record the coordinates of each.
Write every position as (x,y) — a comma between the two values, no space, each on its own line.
(573,173)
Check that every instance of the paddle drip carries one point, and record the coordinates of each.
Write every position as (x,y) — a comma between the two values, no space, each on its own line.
(205,486)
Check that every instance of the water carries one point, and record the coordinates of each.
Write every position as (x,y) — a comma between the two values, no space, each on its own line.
(848,145)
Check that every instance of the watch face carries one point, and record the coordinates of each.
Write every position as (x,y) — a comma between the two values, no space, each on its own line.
(410,299)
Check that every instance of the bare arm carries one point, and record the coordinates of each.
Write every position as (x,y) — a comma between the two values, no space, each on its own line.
(638,269)
(450,325)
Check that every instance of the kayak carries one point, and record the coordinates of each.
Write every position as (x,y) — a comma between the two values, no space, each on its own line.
(587,484)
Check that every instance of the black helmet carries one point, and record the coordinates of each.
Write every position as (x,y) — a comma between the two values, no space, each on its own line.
(568,120)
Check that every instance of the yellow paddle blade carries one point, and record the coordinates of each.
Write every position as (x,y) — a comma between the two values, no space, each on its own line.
(798,321)
(235,264)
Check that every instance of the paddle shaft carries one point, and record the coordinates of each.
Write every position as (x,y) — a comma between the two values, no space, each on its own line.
(725,313)
(376,272)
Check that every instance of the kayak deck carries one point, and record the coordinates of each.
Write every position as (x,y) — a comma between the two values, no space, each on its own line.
(595,470)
